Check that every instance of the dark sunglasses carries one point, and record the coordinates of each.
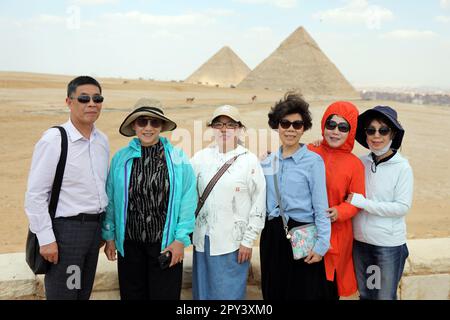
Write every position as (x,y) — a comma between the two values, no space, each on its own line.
(143,122)
(342,126)
(286,124)
(228,125)
(84,98)
(383,131)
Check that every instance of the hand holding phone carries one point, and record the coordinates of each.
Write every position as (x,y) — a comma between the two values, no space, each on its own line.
(164,260)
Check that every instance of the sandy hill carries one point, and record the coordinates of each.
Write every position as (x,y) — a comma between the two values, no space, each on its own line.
(298,63)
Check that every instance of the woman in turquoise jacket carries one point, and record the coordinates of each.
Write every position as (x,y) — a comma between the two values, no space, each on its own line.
(152,199)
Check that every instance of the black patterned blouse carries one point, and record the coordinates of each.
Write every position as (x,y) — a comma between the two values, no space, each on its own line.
(148,196)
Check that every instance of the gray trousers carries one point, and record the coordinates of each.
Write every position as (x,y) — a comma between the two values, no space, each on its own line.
(73,276)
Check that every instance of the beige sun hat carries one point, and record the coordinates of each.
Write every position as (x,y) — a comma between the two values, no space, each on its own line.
(226,110)
(146,107)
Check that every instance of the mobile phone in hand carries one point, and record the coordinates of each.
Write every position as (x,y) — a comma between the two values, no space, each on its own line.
(164,260)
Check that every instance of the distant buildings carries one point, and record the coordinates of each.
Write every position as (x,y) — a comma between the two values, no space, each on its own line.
(408,97)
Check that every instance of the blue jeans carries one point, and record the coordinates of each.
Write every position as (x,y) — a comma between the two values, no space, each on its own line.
(378,270)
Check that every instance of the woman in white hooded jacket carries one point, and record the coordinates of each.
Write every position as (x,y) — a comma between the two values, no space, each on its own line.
(380,249)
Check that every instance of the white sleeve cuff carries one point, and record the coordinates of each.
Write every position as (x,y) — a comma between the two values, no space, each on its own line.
(46,237)
(247,243)
(358,200)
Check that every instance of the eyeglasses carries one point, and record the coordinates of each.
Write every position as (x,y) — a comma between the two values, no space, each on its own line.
(286,124)
(342,126)
(143,122)
(383,131)
(228,125)
(84,98)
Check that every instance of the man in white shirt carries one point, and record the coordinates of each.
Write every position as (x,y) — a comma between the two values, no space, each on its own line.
(71,243)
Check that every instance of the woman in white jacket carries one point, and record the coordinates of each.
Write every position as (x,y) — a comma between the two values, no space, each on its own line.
(232,217)
(380,250)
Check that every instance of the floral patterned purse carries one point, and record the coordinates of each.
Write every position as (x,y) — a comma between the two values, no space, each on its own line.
(302,238)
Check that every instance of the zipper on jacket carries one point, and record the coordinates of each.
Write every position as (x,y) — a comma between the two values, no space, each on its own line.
(126,193)
(172,188)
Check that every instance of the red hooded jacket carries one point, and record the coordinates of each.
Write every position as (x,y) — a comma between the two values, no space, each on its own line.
(344,174)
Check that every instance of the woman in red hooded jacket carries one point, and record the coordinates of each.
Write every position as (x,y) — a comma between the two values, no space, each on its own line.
(344,174)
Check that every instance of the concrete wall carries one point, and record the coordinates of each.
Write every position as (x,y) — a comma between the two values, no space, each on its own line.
(426,275)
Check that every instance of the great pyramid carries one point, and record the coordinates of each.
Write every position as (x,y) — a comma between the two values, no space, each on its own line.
(299,64)
(224,68)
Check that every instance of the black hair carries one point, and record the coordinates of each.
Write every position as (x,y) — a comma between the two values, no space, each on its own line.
(290,104)
(331,116)
(335,114)
(79,81)
(381,118)
(384,119)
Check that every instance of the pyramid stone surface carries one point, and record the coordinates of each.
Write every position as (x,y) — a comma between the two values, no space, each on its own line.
(224,68)
(299,64)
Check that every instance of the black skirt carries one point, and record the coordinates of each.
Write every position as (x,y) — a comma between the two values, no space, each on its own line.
(282,277)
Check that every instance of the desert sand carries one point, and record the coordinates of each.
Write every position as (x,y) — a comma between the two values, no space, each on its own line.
(31,103)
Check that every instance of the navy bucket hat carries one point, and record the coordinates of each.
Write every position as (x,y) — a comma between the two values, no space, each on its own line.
(387,113)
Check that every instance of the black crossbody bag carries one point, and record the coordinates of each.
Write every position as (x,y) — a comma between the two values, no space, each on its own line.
(33,257)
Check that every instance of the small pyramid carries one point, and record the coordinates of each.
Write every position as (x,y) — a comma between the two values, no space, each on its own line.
(299,64)
(224,68)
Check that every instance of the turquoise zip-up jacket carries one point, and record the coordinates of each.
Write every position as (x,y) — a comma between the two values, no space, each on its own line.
(180,219)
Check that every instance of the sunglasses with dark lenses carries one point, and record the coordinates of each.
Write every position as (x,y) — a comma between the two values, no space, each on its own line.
(383,131)
(84,98)
(143,122)
(228,125)
(342,126)
(286,124)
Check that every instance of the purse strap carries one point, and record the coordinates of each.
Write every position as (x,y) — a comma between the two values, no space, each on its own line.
(213,181)
(57,182)
(280,206)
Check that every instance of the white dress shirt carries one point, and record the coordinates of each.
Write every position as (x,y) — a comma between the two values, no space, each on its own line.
(84,180)
(235,211)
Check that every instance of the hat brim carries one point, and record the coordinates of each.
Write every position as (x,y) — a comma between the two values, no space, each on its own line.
(126,128)
(226,115)
(371,113)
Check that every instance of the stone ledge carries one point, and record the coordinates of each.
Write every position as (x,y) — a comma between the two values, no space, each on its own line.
(428,287)
(105,295)
(428,256)
(106,278)
(16,279)
(426,274)
(187,270)
(254,277)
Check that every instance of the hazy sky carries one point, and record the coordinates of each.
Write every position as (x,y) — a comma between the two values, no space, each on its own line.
(386,42)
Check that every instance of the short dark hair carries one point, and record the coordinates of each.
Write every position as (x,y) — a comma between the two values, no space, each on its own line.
(290,104)
(79,81)
(380,118)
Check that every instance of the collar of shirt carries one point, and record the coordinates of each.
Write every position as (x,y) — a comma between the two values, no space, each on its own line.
(74,134)
(296,156)
(228,155)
